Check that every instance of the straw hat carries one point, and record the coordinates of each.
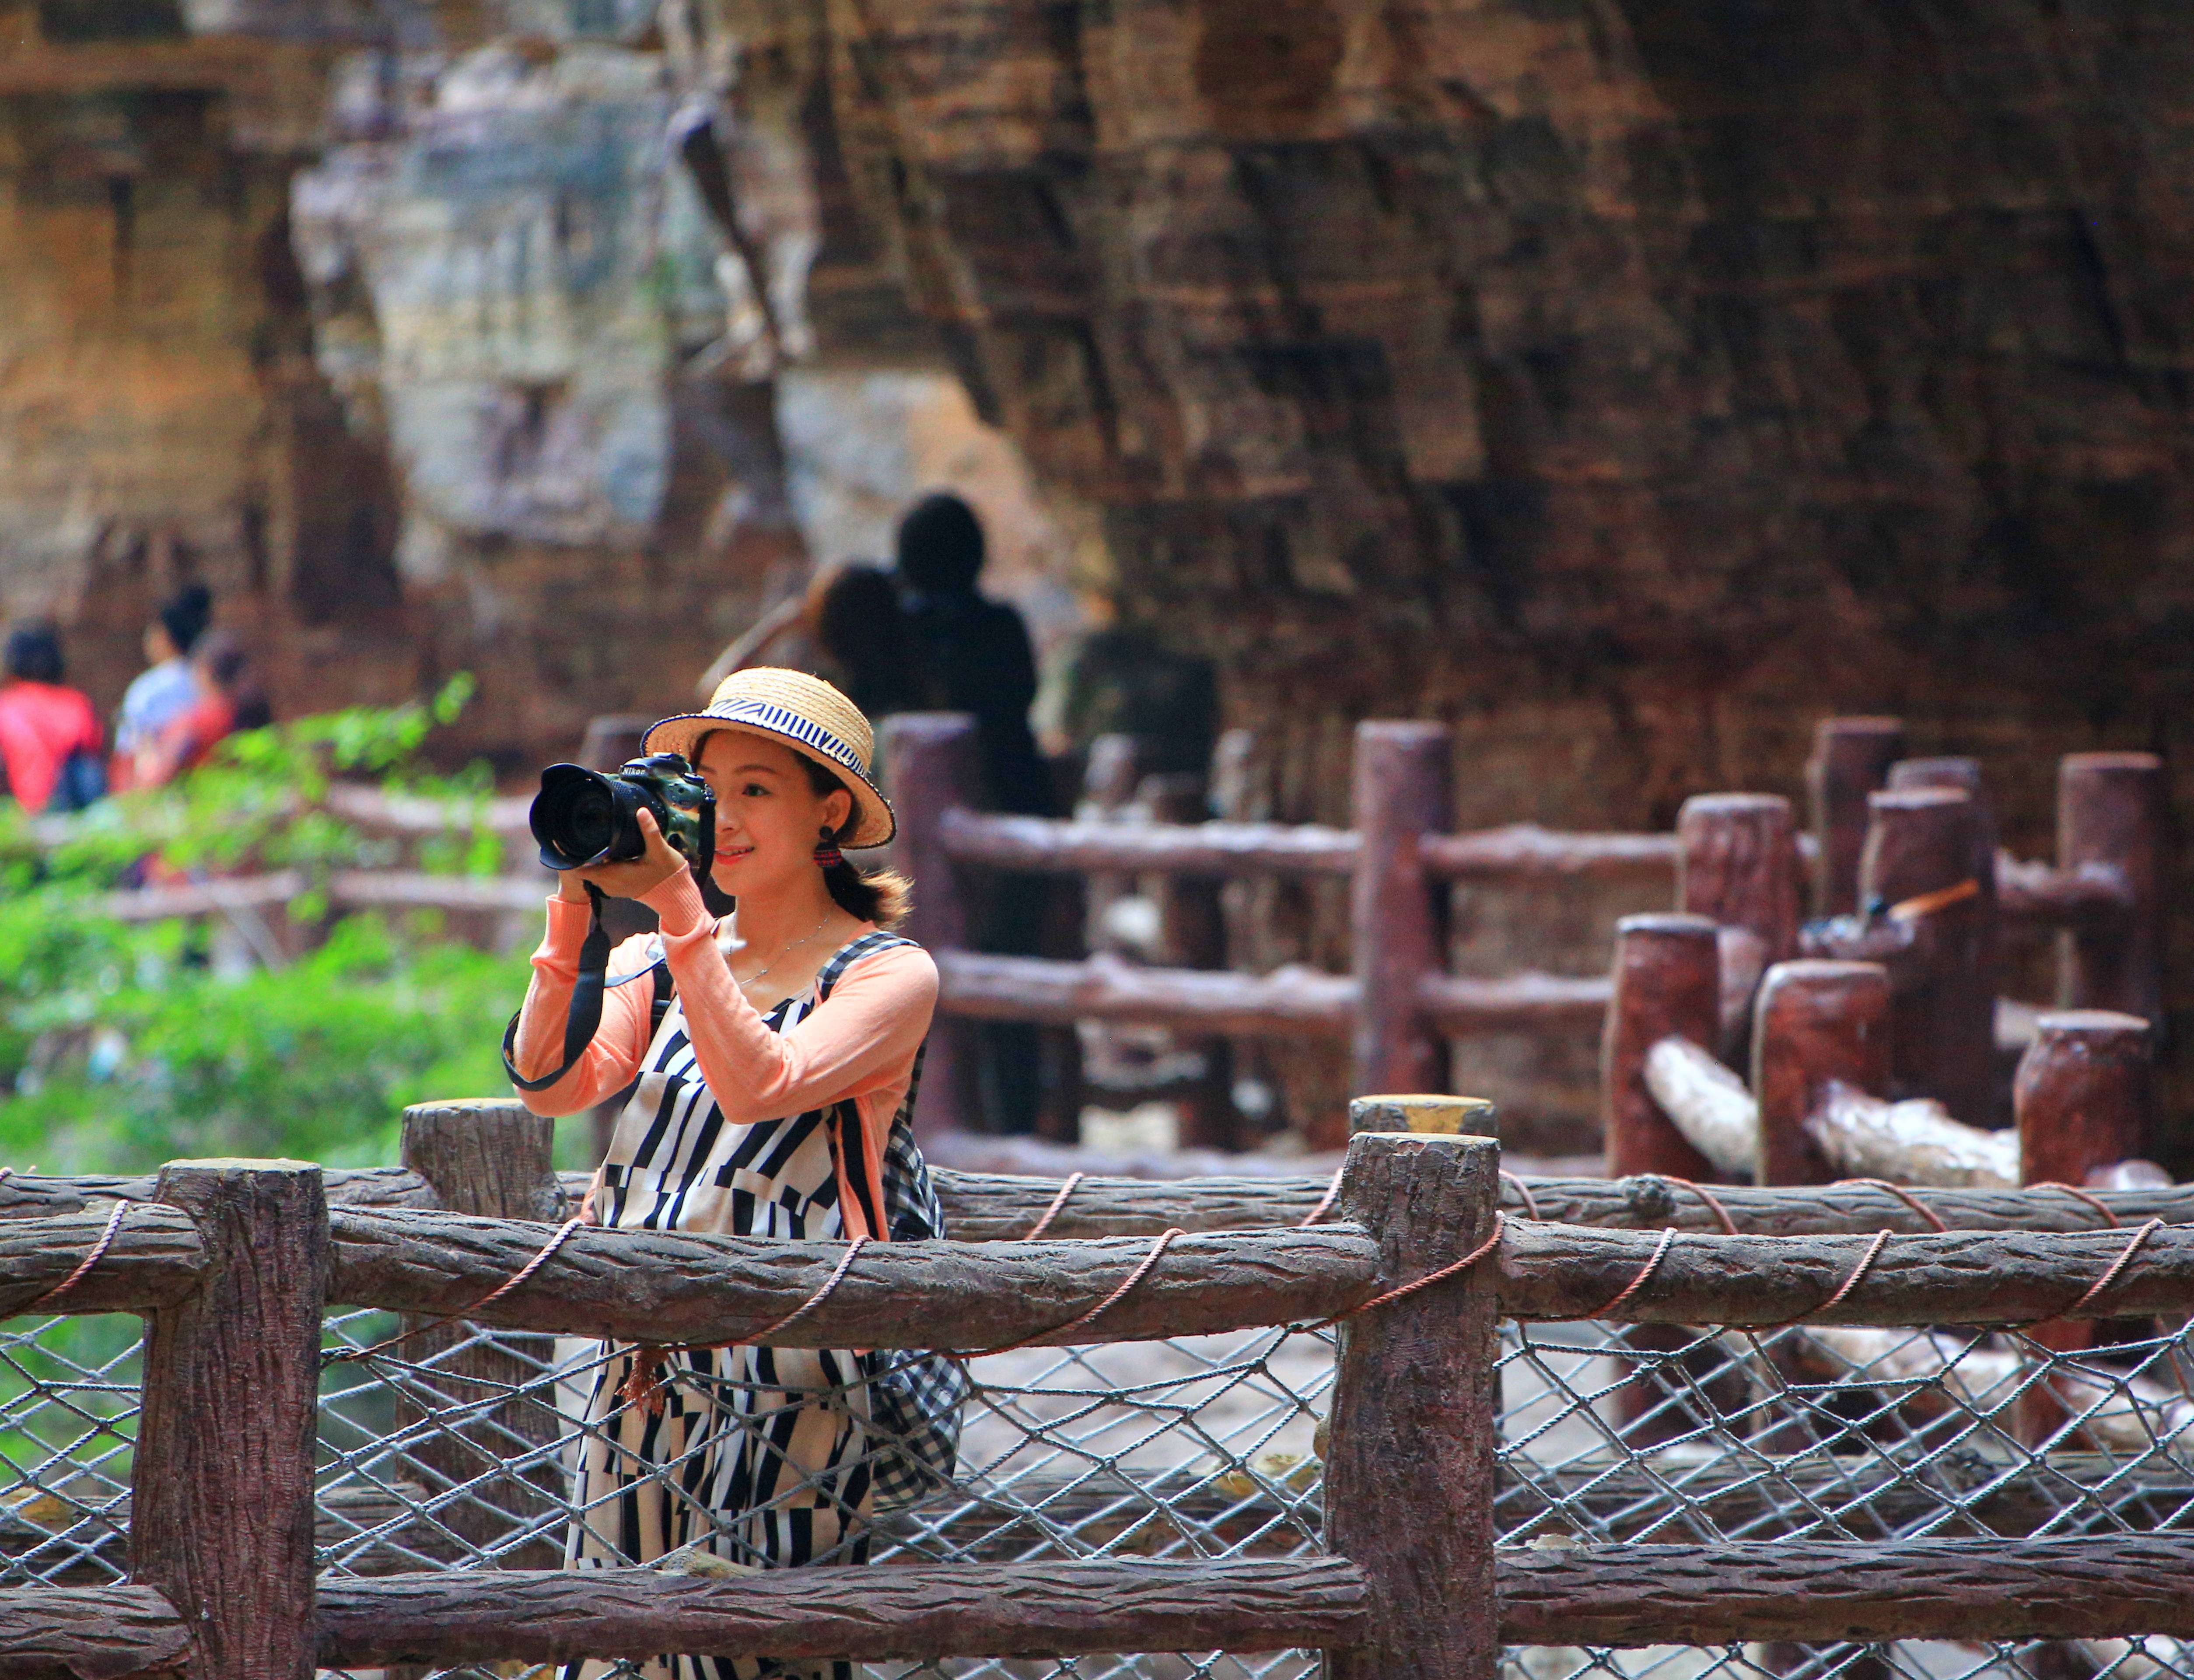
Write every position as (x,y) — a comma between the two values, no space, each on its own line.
(804,713)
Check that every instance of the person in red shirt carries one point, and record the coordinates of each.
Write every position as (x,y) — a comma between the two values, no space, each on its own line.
(50,736)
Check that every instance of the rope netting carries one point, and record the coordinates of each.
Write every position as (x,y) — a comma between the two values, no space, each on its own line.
(455,1449)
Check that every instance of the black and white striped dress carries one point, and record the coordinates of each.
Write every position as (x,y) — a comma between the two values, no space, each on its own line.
(763,1456)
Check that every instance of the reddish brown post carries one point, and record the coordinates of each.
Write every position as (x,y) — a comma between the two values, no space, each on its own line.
(1400,796)
(221,1482)
(1410,1460)
(1965,775)
(2081,1096)
(1738,864)
(496,1159)
(1816,1022)
(1921,841)
(1851,757)
(2110,813)
(1667,979)
(931,759)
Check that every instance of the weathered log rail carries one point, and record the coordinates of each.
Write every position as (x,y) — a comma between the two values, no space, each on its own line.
(236,1262)
(986,1207)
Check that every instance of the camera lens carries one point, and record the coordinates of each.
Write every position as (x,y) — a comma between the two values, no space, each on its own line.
(578,818)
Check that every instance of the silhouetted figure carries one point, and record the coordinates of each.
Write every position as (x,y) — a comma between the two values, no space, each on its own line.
(50,739)
(975,650)
(976,659)
(863,625)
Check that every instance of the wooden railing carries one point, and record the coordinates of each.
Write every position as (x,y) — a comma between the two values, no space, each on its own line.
(233,1263)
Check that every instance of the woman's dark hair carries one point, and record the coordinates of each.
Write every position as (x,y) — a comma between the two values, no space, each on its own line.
(940,545)
(186,616)
(34,653)
(883,896)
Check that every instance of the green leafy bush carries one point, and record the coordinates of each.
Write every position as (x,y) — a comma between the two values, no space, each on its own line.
(122,1046)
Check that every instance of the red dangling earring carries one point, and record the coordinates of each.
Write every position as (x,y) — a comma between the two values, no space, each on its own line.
(828,855)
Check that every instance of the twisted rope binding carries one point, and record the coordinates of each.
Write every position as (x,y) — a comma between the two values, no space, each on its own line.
(1058,1201)
(84,1266)
(643,1384)
(1728,1224)
(1523,1193)
(1324,1202)
(1652,1265)
(2117,1267)
(344,1356)
(1905,1196)
(1427,1281)
(1865,1265)
(2088,1196)
(1142,1271)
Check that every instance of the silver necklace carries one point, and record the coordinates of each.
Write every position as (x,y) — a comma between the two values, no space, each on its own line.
(782,954)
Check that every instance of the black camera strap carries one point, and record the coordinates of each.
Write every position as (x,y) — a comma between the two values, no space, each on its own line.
(585,1014)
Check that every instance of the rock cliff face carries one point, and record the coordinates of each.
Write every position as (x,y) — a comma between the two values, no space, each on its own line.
(413,330)
(1630,381)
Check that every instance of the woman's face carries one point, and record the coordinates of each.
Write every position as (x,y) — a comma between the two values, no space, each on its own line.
(769,819)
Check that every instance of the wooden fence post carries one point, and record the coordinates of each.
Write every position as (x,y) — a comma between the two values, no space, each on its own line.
(1943,1034)
(1851,757)
(2110,811)
(2082,1100)
(221,1479)
(1738,864)
(1410,1458)
(1667,979)
(1817,1022)
(1400,794)
(931,759)
(496,1159)
(2081,1095)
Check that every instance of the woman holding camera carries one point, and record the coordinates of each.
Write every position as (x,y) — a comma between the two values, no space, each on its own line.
(773,1059)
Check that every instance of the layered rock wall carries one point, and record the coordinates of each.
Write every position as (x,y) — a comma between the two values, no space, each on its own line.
(1630,382)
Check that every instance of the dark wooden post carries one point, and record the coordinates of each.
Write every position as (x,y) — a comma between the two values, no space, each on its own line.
(2081,1098)
(2111,812)
(1851,757)
(931,758)
(1737,865)
(1667,979)
(1816,1022)
(1409,1463)
(221,1482)
(2081,1095)
(1942,1035)
(1400,796)
(496,1159)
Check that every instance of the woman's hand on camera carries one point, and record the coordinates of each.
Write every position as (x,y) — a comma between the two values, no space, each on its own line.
(634,879)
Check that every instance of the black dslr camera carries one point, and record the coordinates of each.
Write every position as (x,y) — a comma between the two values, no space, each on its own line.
(582,817)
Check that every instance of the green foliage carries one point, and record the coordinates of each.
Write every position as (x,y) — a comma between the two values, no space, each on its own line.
(122,1046)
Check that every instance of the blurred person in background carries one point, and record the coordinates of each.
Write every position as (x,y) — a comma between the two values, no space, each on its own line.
(50,736)
(975,651)
(975,657)
(166,689)
(227,698)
